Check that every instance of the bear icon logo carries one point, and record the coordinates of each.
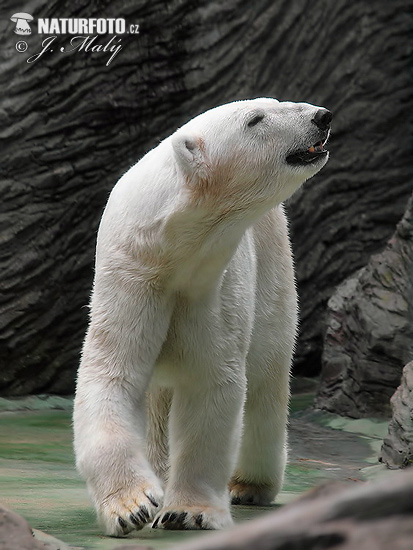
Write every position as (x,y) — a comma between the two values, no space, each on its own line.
(22,23)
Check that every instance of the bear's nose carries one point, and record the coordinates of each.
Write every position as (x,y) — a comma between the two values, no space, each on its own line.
(322,119)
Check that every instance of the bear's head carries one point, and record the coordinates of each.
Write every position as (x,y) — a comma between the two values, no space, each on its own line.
(253,152)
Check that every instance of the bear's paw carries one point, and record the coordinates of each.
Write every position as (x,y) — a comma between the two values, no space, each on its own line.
(192,517)
(249,493)
(128,509)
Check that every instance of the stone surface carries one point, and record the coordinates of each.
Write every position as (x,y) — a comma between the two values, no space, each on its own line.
(370,330)
(71,125)
(15,532)
(49,542)
(372,516)
(397,449)
(39,481)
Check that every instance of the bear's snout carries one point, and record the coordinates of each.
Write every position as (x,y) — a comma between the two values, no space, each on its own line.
(322,119)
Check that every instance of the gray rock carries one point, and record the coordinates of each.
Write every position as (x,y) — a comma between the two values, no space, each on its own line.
(70,126)
(15,532)
(50,542)
(397,449)
(369,331)
(371,516)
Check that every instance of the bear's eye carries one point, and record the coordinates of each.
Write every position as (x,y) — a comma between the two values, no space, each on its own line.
(255,120)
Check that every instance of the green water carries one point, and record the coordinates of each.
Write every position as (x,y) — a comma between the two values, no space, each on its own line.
(39,481)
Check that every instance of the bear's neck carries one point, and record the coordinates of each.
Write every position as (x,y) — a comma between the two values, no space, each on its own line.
(201,245)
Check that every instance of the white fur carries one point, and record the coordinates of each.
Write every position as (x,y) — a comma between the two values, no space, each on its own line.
(193,318)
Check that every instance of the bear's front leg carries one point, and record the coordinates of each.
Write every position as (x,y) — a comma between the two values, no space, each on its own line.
(205,424)
(123,340)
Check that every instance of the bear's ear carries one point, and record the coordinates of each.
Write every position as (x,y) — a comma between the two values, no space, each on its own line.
(190,154)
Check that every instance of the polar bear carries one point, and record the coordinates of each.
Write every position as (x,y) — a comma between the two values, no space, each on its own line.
(183,387)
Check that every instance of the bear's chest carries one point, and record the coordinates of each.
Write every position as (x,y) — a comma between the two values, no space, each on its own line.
(208,333)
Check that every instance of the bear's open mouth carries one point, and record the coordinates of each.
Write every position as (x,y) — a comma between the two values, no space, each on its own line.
(312,154)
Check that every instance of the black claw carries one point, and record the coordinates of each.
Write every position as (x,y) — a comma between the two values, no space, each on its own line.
(145,519)
(141,517)
(135,519)
(152,501)
(198,520)
(122,522)
(144,512)
(173,516)
(181,518)
(166,517)
(155,523)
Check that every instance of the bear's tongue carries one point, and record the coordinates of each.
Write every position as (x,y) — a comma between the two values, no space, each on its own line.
(317,148)
(309,155)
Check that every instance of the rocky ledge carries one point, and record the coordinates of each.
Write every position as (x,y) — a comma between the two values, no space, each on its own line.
(369,331)
(397,449)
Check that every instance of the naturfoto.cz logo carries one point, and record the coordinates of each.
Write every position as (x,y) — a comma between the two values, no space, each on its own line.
(83,26)
(87,35)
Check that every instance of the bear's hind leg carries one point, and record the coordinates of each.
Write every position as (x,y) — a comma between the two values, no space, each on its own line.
(262,458)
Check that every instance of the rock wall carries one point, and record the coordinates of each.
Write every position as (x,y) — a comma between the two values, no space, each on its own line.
(71,125)
(370,330)
(397,448)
